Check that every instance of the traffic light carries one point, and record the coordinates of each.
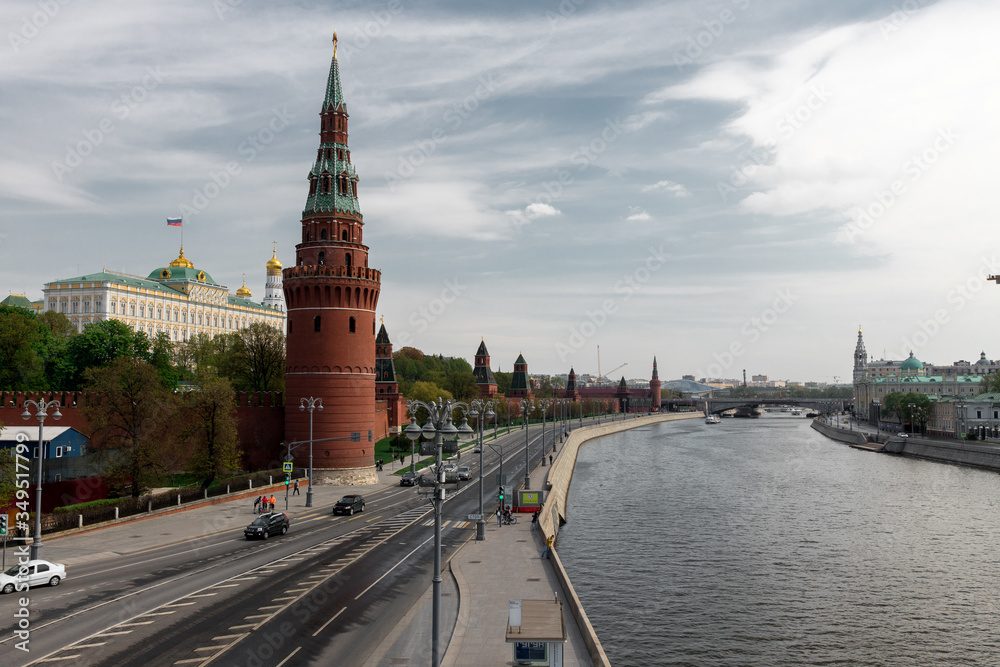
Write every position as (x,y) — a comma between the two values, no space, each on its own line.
(500,495)
(3,524)
(287,479)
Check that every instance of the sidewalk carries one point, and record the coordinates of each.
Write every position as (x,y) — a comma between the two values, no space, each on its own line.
(506,566)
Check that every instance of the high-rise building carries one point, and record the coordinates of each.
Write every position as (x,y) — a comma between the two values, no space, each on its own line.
(331,295)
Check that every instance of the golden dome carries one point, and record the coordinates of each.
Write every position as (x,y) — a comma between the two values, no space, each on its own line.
(244,291)
(182,261)
(273,265)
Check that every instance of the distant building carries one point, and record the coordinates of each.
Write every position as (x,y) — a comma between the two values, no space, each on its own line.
(758,378)
(485,379)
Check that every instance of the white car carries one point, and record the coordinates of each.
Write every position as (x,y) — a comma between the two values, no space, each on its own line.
(32,573)
(464,472)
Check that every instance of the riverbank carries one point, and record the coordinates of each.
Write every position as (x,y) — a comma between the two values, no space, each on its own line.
(980,455)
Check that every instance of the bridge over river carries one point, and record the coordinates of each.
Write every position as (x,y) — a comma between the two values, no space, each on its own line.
(716,405)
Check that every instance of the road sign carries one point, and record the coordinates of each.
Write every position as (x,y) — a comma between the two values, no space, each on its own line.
(475,517)
(286,467)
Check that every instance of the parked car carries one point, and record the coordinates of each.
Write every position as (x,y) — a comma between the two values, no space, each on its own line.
(32,573)
(409,478)
(464,472)
(271,523)
(349,505)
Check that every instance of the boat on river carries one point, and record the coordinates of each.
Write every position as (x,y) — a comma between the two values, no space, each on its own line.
(712,419)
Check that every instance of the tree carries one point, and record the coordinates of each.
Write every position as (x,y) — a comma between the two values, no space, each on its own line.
(211,419)
(503,381)
(55,331)
(258,359)
(102,343)
(8,476)
(130,413)
(462,385)
(427,392)
(991,383)
(161,356)
(915,408)
(21,367)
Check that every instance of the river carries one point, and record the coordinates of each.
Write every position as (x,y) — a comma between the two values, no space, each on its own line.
(761,542)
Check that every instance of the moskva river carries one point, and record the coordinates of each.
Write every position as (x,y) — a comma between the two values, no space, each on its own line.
(760,542)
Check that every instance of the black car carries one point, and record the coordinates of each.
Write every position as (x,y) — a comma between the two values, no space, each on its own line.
(349,505)
(272,523)
(409,478)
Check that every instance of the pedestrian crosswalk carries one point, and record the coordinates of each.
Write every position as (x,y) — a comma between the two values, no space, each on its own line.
(451,524)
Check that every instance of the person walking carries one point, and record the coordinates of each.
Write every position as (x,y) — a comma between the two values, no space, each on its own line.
(534,519)
(499,517)
(273,503)
(256,504)
(550,459)
(548,547)
(296,491)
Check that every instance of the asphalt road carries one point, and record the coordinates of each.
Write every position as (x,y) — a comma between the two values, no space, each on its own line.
(327,592)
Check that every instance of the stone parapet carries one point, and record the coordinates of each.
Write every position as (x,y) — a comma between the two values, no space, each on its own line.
(345,476)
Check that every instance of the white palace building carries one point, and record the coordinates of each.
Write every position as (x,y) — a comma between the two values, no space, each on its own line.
(179,300)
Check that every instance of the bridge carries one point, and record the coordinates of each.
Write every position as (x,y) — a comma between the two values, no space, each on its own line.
(715,405)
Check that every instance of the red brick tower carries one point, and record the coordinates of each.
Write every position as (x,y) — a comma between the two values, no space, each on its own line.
(386,386)
(485,379)
(520,386)
(331,296)
(654,389)
(571,392)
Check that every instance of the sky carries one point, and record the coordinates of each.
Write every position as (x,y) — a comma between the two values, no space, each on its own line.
(724,185)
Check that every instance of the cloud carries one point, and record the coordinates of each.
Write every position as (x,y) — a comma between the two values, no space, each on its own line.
(637,214)
(676,189)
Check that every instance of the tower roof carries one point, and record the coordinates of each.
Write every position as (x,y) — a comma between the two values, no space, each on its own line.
(520,360)
(273,265)
(334,95)
(481,352)
(383,336)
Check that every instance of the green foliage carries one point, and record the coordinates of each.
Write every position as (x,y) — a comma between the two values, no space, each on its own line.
(21,366)
(210,416)
(907,407)
(8,477)
(427,392)
(451,376)
(990,383)
(503,381)
(102,343)
(130,413)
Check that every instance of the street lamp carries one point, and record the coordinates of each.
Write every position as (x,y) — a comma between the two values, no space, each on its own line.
(310,404)
(525,405)
(40,412)
(545,404)
(481,410)
(438,427)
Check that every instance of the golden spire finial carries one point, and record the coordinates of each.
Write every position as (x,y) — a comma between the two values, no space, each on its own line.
(334,43)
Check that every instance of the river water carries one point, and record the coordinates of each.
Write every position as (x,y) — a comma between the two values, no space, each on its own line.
(761,542)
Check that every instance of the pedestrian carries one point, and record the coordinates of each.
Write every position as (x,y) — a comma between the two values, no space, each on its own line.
(499,517)
(273,501)
(256,502)
(548,547)
(550,459)
(534,519)
(296,491)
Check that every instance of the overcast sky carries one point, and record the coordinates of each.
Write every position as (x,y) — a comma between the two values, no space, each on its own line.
(726,185)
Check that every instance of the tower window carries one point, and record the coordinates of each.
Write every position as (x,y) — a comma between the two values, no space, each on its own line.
(347,260)
(351,325)
(322,235)
(317,325)
(322,258)
(343,235)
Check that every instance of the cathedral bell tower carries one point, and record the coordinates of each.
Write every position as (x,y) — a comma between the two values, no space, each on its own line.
(331,296)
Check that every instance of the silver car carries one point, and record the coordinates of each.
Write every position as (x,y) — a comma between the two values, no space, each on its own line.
(464,472)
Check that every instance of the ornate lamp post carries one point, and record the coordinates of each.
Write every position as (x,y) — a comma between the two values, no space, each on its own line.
(310,404)
(438,427)
(481,411)
(525,406)
(40,412)
(545,405)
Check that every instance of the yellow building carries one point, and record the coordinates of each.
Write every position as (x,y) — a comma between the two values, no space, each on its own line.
(179,300)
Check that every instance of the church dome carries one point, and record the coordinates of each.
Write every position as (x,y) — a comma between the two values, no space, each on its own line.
(244,291)
(273,265)
(182,261)
(911,364)
(983,361)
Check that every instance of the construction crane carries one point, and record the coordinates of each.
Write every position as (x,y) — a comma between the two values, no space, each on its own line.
(599,374)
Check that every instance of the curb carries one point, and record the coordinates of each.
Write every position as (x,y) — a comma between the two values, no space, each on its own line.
(464,612)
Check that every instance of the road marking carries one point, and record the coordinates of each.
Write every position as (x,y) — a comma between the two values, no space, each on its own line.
(90,645)
(323,627)
(179,604)
(271,606)
(289,656)
(112,634)
(393,568)
(160,613)
(225,586)
(247,618)
(211,648)
(373,518)
(62,657)
(308,516)
(186,661)
(224,637)
(203,595)
(125,625)
(239,627)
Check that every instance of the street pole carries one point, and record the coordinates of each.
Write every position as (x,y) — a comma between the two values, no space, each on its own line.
(40,412)
(481,410)
(544,405)
(310,404)
(527,476)
(438,425)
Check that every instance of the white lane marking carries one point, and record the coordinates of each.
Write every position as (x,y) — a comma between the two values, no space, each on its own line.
(329,622)
(394,567)
(289,656)
(210,648)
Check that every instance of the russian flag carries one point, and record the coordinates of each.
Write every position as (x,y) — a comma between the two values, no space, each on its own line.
(174,222)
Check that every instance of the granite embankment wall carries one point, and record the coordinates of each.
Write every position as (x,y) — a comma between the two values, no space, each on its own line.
(554,512)
(945,451)
(850,437)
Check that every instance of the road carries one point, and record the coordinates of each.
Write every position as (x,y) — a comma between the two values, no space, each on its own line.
(328,591)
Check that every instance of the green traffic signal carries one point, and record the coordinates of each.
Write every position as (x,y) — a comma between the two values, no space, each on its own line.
(3,524)
(287,479)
